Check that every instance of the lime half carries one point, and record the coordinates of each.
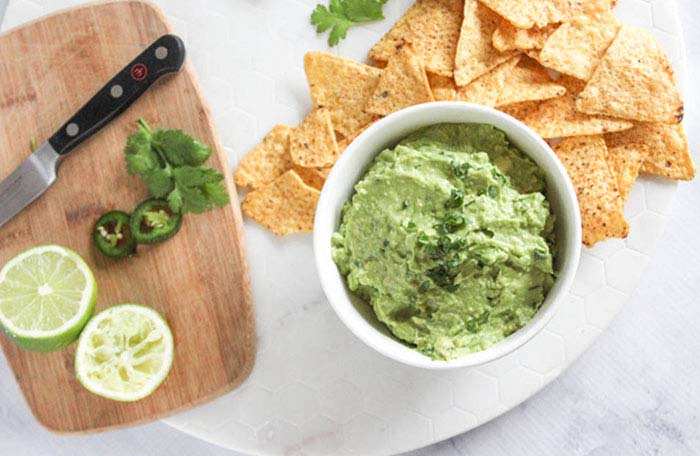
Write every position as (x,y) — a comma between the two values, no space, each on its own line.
(47,294)
(124,353)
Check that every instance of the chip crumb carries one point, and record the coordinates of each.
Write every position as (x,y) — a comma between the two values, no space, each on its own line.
(633,81)
(343,86)
(475,52)
(432,27)
(596,188)
(284,206)
(403,83)
(312,143)
(267,160)
(668,156)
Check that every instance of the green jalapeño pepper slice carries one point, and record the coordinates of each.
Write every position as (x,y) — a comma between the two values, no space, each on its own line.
(154,221)
(112,235)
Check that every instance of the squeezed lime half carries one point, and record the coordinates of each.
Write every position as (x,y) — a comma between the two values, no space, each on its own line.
(47,294)
(124,353)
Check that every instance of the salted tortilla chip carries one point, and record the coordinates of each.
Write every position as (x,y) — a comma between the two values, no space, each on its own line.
(576,47)
(508,37)
(558,117)
(625,162)
(267,160)
(475,52)
(284,206)
(313,177)
(342,86)
(526,14)
(312,143)
(668,149)
(596,188)
(345,141)
(443,87)
(529,81)
(404,83)
(432,26)
(520,111)
(633,81)
(486,89)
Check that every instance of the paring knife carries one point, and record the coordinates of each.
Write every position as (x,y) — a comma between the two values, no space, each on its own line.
(38,172)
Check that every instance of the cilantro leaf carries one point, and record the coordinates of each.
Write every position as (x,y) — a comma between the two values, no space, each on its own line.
(216,193)
(140,158)
(340,15)
(200,188)
(175,200)
(193,199)
(361,11)
(159,182)
(170,164)
(195,176)
(179,148)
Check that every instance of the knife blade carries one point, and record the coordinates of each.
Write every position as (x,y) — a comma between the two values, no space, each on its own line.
(38,172)
(28,182)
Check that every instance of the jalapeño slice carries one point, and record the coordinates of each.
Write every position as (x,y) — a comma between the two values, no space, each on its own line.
(113,236)
(154,221)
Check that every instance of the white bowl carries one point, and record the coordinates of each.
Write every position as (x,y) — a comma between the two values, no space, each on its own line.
(358,315)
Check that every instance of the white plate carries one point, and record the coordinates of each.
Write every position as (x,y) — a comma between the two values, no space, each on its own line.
(316,389)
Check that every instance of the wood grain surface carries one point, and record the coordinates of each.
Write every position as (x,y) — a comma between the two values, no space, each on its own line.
(198,280)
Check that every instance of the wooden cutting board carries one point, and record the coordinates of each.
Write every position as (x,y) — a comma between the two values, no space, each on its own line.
(198,280)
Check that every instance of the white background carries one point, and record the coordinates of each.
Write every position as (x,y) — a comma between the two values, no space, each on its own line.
(636,391)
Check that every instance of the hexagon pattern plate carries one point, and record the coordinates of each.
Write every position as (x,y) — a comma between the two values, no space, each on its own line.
(315,389)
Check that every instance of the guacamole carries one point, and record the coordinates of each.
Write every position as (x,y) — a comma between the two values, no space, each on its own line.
(449,237)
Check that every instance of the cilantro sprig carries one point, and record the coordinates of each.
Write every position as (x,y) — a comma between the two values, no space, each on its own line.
(170,164)
(340,15)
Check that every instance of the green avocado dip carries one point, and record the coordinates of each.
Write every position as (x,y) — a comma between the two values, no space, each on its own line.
(450,238)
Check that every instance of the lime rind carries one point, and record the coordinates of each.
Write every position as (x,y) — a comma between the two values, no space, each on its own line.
(124,353)
(49,293)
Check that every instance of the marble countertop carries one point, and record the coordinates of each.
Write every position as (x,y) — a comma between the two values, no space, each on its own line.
(633,392)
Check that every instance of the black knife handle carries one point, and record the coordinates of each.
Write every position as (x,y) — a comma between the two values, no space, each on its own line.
(166,55)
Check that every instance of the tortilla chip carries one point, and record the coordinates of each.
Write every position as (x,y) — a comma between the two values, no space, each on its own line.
(475,52)
(313,177)
(486,89)
(313,142)
(520,111)
(526,14)
(529,81)
(508,37)
(576,47)
(342,86)
(284,206)
(432,26)
(633,81)
(668,149)
(596,188)
(558,117)
(625,162)
(267,160)
(443,87)
(345,142)
(403,84)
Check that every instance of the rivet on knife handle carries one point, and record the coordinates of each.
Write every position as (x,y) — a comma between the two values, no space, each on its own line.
(165,55)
